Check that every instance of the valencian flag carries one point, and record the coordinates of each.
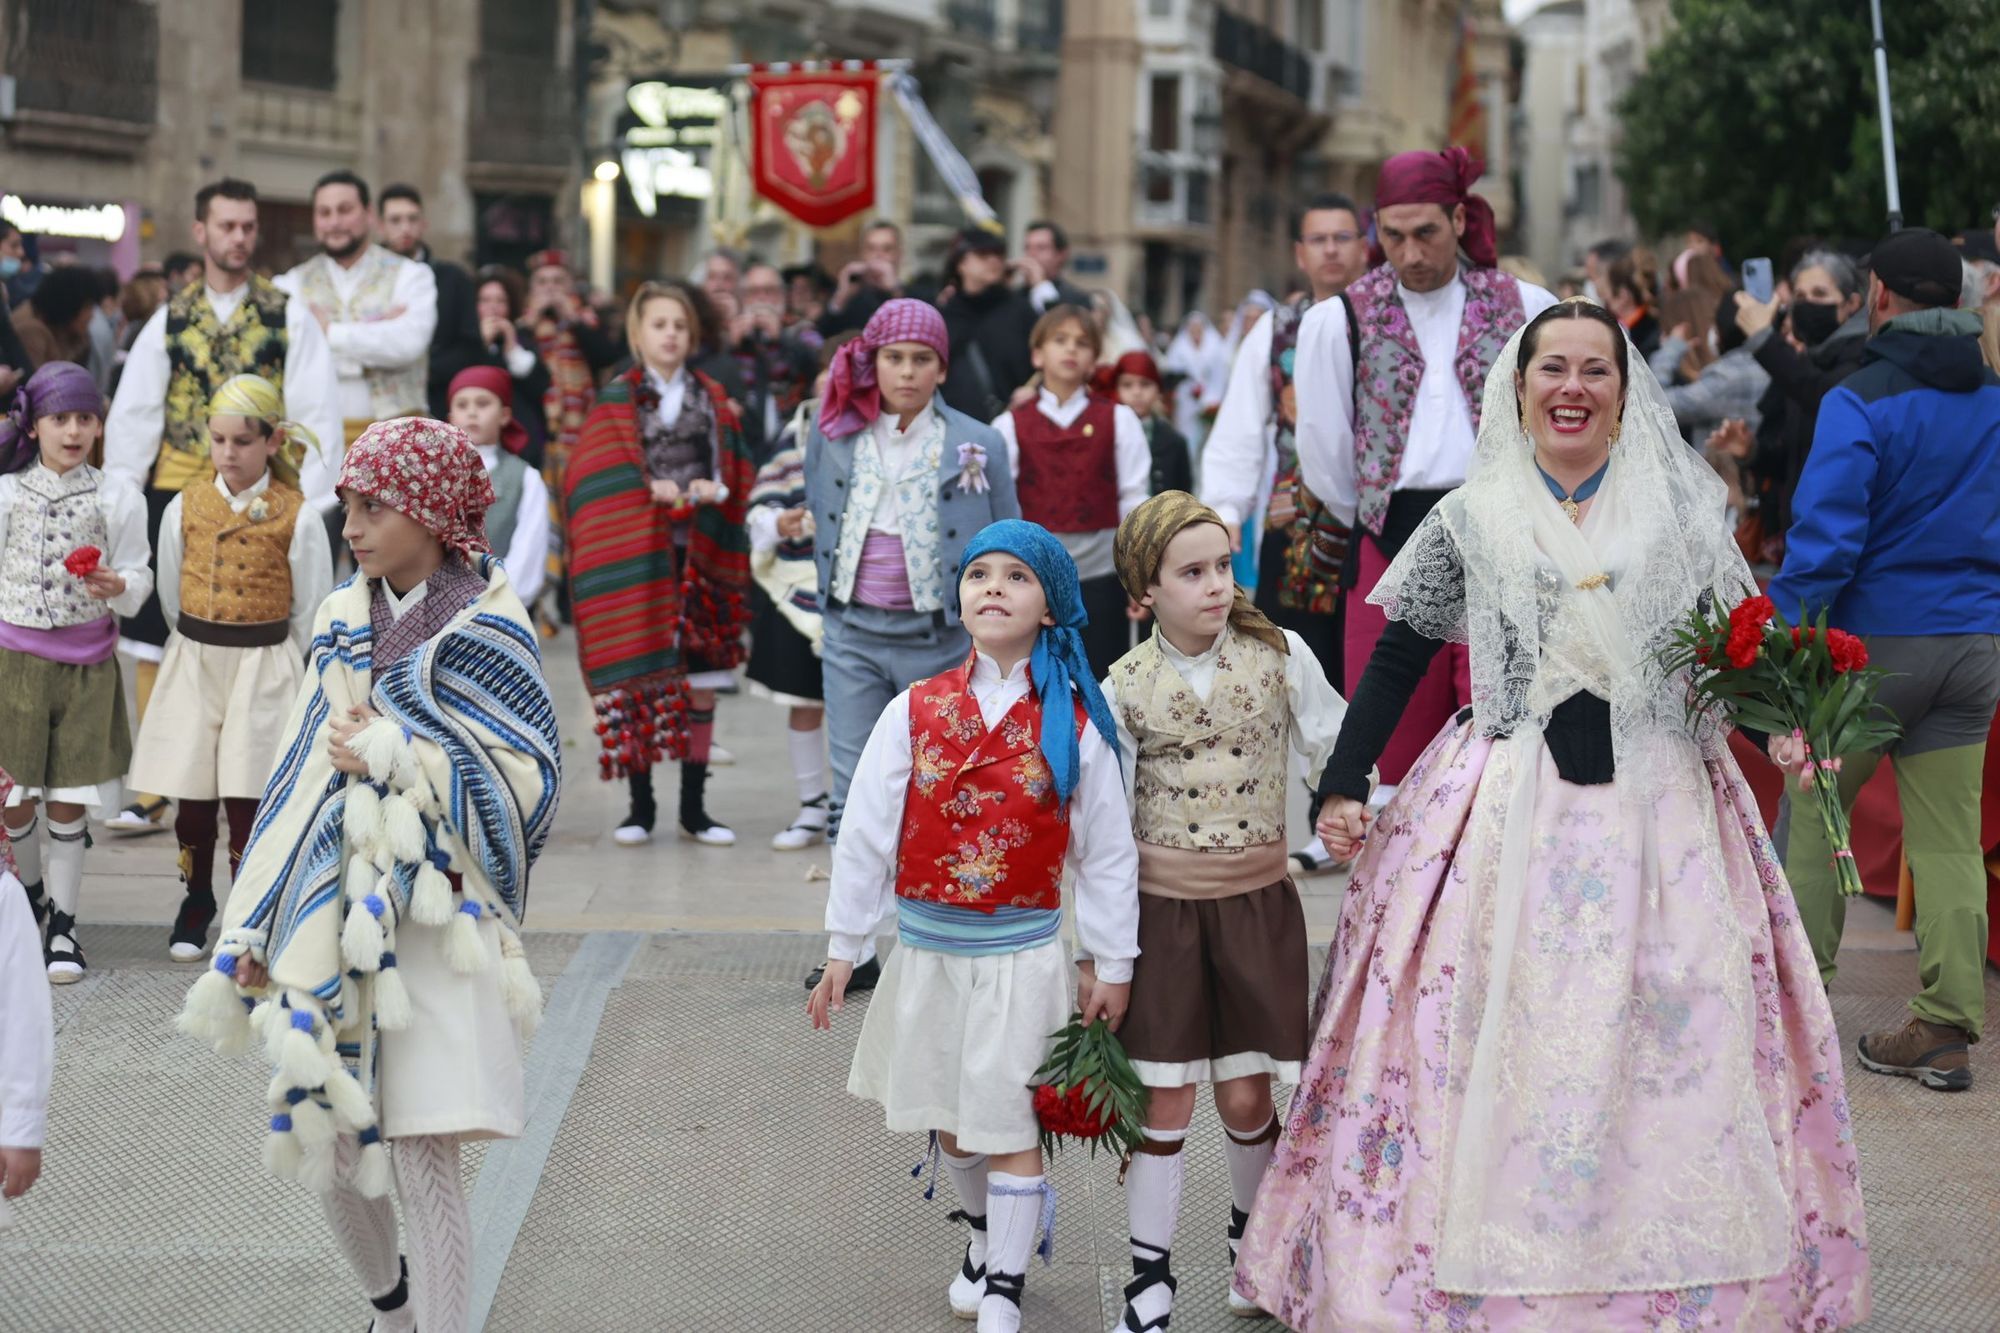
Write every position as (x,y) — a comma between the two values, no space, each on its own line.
(812,141)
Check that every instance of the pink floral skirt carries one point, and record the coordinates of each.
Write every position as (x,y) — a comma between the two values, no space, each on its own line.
(1663,1015)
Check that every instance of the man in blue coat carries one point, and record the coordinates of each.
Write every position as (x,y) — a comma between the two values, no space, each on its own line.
(1896,536)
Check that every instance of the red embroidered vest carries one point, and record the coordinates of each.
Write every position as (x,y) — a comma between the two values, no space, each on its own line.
(1068,478)
(982,827)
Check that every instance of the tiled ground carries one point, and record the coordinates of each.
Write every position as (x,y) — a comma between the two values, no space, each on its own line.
(710,1173)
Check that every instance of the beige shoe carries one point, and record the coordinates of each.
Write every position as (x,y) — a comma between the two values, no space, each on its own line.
(1934,1054)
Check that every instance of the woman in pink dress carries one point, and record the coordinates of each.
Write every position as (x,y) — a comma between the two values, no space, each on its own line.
(1573,1066)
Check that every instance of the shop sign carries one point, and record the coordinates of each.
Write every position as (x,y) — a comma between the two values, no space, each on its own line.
(87,222)
(664,156)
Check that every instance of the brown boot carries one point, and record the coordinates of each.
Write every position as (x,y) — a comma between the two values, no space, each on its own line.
(1933,1054)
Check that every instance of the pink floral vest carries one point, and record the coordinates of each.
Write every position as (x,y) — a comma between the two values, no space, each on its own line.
(1392,365)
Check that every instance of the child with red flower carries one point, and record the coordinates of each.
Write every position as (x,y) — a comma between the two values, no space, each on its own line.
(657,495)
(63,733)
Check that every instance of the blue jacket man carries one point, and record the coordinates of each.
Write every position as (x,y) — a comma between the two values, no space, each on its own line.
(1896,537)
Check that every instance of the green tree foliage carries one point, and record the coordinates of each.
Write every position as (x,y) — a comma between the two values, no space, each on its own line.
(1760,116)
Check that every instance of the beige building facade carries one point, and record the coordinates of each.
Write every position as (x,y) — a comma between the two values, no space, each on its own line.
(134,104)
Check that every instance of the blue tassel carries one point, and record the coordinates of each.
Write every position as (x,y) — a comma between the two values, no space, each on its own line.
(372,1134)
(225,963)
(302,1020)
(930,1159)
(281,1124)
(1047,1249)
(293,1096)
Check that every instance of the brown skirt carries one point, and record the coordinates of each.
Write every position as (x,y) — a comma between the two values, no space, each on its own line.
(1220,989)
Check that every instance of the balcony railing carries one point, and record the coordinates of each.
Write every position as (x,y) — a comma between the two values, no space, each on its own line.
(1174,190)
(1257,50)
(292,118)
(978,19)
(520,112)
(90,58)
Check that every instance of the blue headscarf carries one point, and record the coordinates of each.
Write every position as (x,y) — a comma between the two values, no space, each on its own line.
(1058,663)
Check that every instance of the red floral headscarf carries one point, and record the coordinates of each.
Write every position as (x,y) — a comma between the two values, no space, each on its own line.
(427,470)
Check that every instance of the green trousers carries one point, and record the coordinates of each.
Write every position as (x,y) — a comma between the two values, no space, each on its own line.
(1939,792)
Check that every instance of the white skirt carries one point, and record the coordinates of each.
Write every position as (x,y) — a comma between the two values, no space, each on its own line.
(457,1068)
(216,720)
(951,1042)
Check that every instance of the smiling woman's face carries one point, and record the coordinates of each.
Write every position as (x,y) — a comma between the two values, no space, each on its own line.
(1571,392)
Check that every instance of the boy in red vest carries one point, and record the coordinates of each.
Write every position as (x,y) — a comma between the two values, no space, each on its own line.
(1081,463)
(976,788)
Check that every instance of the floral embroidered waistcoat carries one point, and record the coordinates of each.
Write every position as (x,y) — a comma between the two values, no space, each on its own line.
(203,353)
(392,392)
(917,515)
(982,827)
(52,517)
(236,569)
(1208,774)
(1392,366)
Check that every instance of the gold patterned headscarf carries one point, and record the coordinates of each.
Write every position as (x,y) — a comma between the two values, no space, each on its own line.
(255,397)
(1141,544)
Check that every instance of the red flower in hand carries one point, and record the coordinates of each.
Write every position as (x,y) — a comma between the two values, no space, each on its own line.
(1751,612)
(1745,641)
(1848,652)
(83,561)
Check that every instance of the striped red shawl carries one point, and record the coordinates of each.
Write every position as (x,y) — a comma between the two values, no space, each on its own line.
(639,614)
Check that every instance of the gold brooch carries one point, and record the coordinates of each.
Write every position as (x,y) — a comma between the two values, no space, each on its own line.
(1593,581)
(1572,509)
(1089,429)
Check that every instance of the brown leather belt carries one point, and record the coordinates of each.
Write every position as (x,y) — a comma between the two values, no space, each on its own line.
(224,634)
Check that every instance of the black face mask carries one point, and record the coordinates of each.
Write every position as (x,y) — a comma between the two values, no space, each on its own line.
(1815,321)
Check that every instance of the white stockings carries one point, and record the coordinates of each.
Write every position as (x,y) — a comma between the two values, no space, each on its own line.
(439,1225)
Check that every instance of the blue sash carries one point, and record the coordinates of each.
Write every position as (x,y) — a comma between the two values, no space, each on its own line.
(959,930)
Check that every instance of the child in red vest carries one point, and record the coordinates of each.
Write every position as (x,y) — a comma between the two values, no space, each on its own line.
(1081,463)
(976,788)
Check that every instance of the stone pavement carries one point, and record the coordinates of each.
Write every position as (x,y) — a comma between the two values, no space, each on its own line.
(693,1162)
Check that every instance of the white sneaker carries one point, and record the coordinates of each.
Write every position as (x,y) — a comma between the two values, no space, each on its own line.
(808,830)
(137,818)
(631,835)
(715,835)
(182,952)
(967,1290)
(719,757)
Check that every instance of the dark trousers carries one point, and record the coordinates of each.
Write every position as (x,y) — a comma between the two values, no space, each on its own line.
(1108,636)
(1322,633)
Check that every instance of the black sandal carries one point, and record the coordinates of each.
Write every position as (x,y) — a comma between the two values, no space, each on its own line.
(396,1299)
(1147,1274)
(62,927)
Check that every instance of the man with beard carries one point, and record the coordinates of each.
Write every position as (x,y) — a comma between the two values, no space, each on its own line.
(455,343)
(232,322)
(378,310)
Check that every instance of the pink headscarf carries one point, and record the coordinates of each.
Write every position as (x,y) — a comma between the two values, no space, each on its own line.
(1446,179)
(852,399)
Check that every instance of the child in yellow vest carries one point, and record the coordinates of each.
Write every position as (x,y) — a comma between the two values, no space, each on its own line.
(243,566)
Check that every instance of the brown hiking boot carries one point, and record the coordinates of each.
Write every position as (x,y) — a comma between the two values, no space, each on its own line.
(1933,1054)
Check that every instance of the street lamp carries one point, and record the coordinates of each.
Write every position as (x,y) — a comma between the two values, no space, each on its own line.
(607,171)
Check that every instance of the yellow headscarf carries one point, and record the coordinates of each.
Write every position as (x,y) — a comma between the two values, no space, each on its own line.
(255,397)
(1141,544)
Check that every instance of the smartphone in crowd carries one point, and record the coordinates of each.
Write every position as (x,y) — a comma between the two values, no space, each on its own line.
(1758,283)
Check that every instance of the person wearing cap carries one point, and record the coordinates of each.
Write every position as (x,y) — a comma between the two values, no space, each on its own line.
(1388,414)
(990,321)
(1896,537)
(243,566)
(897,482)
(481,399)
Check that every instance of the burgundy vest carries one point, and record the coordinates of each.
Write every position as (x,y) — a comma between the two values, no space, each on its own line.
(1068,478)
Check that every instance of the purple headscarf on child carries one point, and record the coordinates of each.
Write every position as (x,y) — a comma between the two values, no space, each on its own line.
(59,386)
(852,399)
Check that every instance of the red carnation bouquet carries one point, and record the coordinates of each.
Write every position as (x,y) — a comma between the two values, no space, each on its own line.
(1808,682)
(83,561)
(1088,1090)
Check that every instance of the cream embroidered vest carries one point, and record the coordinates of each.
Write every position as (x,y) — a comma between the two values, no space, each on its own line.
(52,517)
(917,513)
(391,393)
(1209,774)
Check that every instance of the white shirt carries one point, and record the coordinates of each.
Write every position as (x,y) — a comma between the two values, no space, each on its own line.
(1092,550)
(126,549)
(310,561)
(139,413)
(374,344)
(27,1026)
(672,392)
(1240,454)
(1317,710)
(1439,449)
(399,605)
(527,554)
(900,450)
(1102,855)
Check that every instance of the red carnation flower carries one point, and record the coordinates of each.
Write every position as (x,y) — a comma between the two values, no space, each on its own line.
(1745,642)
(1752,612)
(83,561)
(1848,652)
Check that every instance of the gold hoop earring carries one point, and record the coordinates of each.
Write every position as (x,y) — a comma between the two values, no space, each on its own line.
(1617,428)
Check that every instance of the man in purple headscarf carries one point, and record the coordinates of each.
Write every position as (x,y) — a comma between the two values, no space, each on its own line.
(1389,413)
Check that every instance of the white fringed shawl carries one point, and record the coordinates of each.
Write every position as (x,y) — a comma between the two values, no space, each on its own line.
(465,771)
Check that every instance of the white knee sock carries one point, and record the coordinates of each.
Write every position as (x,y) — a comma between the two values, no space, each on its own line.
(1247,1162)
(440,1225)
(1014,1206)
(28,850)
(968,1178)
(64,863)
(1314,848)
(1153,1204)
(365,1230)
(809,765)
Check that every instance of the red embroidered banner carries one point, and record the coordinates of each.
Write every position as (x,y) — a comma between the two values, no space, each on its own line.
(812,143)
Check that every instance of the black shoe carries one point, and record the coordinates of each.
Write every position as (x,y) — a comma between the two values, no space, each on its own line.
(865,976)
(695,822)
(189,940)
(61,953)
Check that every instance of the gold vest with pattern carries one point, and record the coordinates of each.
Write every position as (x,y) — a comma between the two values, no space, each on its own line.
(203,353)
(1209,774)
(236,569)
